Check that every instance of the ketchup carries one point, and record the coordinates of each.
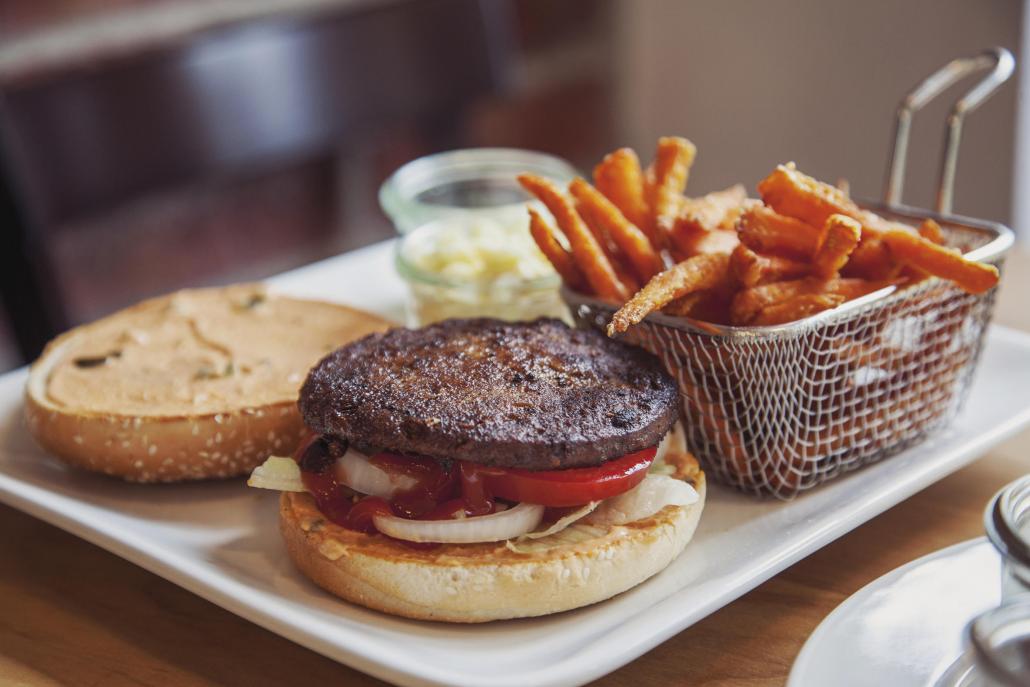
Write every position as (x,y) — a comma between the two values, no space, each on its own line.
(473,491)
(434,482)
(316,460)
(442,490)
(361,514)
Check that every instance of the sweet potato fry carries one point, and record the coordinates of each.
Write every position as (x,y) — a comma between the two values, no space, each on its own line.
(871,260)
(752,269)
(947,263)
(792,193)
(749,302)
(696,274)
(610,249)
(705,242)
(682,306)
(764,230)
(586,251)
(795,194)
(621,180)
(714,305)
(597,210)
(560,258)
(672,164)
(600,234)
(931,231)
(712,212)
(839,238)
(796,308)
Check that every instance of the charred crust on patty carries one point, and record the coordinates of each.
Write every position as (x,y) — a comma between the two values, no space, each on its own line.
(534,395)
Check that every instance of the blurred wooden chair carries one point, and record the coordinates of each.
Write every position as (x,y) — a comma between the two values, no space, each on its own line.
(227,103)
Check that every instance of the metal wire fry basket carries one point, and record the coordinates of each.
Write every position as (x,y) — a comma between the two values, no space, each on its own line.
(777,410)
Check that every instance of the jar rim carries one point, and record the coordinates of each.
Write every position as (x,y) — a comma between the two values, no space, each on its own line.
(1000,520)
(398,194)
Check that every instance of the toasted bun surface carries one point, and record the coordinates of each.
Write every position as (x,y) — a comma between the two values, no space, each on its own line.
(474,583)
(194,385)
(535,395)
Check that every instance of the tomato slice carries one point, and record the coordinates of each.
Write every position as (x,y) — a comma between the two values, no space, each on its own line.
(572,487)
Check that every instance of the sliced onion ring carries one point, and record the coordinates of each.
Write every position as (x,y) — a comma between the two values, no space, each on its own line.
(644,500)
(566,521)
(357,472)
(523,518)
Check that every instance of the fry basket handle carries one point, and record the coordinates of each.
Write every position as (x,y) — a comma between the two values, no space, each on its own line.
(1001,64)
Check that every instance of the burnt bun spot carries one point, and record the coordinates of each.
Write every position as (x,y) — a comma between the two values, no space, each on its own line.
(535,395)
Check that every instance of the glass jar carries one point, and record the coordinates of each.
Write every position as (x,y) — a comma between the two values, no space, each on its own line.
(997,649)
(465,248)
(1007,521)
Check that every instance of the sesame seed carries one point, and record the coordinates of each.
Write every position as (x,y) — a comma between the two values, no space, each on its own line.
(78,440)
(138,463)
(218,438)
(152,450)
(196,430)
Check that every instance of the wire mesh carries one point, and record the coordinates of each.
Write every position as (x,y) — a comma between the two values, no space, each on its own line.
(776,411)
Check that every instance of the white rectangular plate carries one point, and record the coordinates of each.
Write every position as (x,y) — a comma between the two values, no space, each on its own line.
(220,540)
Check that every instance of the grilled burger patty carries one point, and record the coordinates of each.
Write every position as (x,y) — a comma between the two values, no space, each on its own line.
(534,395)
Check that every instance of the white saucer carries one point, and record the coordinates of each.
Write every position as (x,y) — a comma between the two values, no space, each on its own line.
(904,628)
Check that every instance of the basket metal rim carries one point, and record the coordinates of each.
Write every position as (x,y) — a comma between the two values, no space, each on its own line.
(993,250)
(1003,237)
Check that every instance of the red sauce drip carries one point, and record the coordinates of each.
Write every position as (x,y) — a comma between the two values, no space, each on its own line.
(441,490)
(477,500)
(361,515)
(446,510)
(316,460)
(434,482)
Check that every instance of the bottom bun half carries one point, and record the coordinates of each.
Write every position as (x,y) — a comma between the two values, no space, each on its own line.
(475,583)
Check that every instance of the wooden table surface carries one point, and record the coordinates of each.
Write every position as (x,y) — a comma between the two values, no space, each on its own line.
(73,614)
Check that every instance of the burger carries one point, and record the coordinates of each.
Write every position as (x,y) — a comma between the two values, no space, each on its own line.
(475,470)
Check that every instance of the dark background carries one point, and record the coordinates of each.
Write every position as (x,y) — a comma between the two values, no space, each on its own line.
(148,146)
